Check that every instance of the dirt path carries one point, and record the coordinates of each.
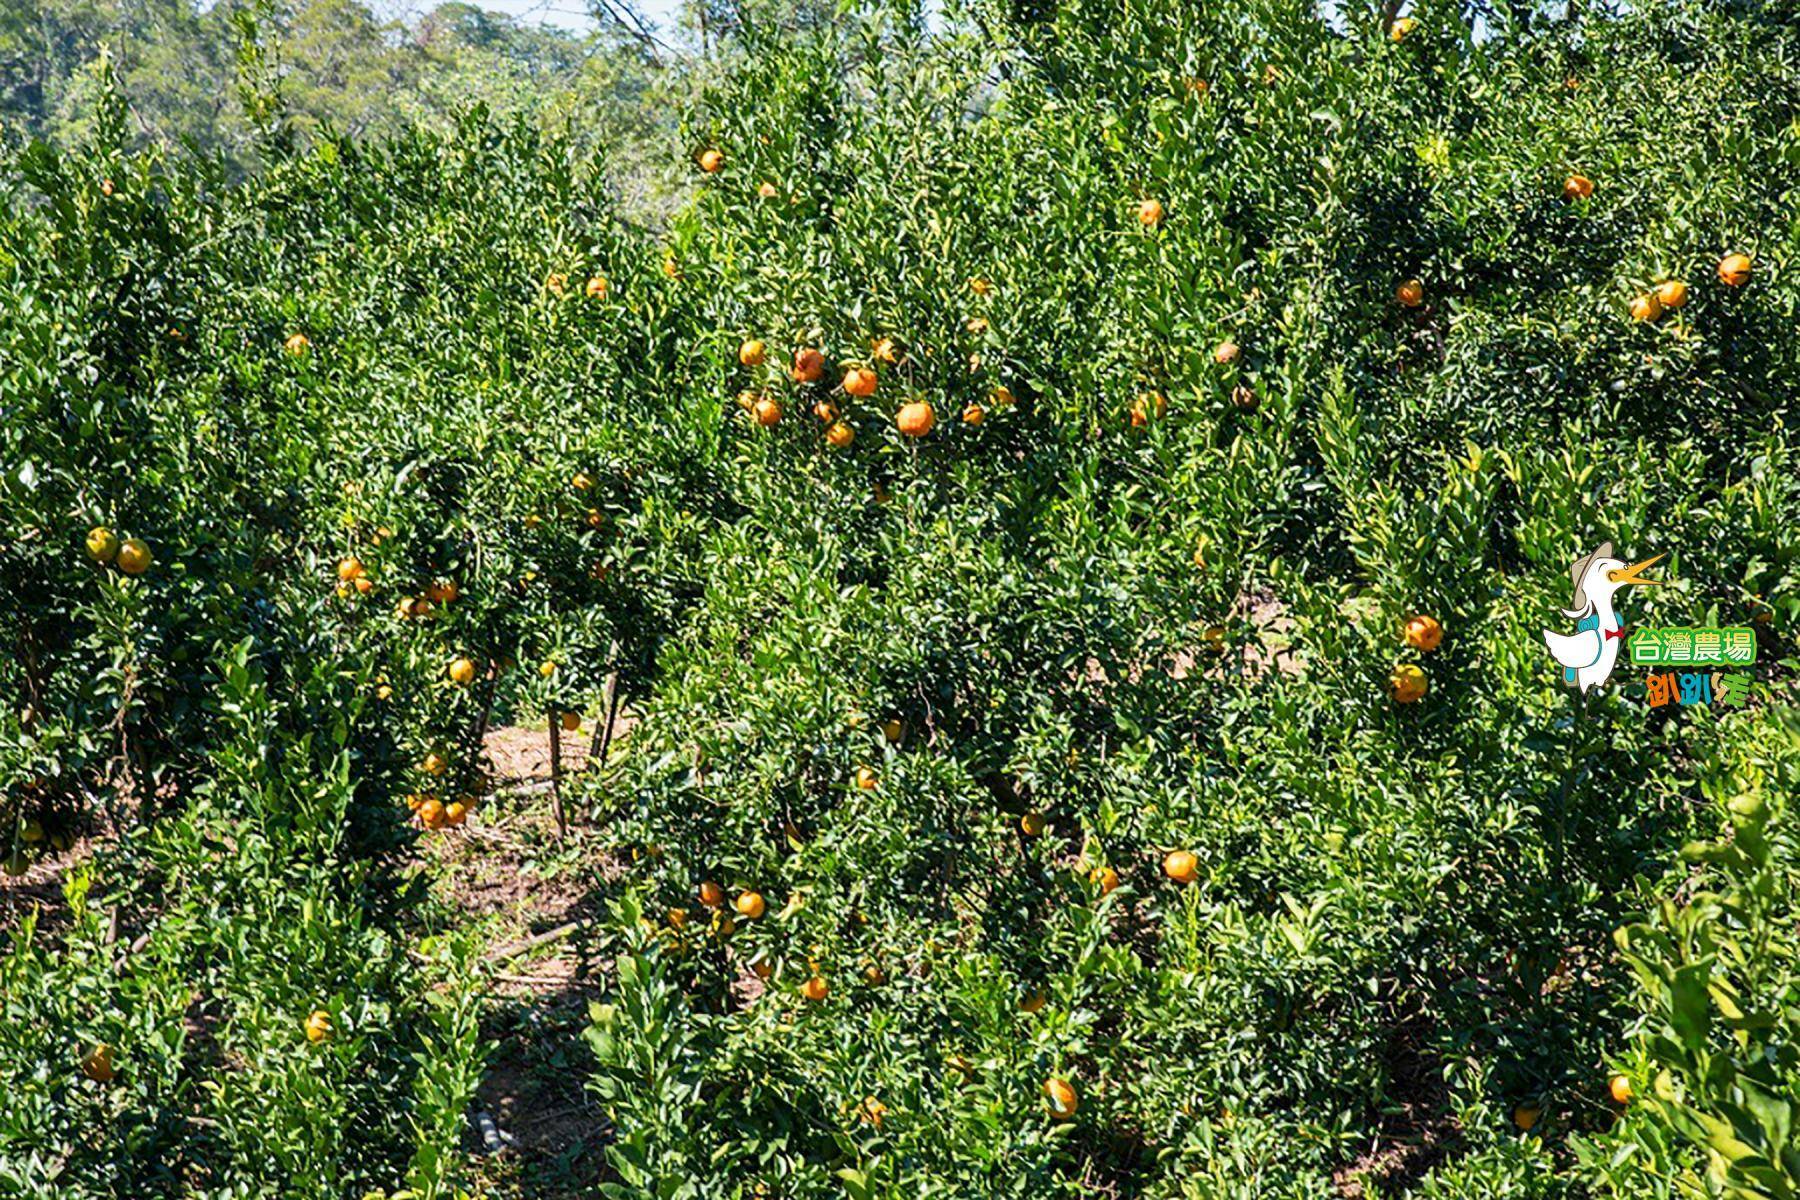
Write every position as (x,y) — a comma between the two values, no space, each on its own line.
(507,870)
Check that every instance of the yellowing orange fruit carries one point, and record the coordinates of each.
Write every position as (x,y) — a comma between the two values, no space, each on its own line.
(1577,187)
(840,434)
(134,557)
(752,353)
(916,419)
(750,905)
(1646,307)
(1424,633)
(809,365)
(815,988)
(1408,684)
(711,161)
(1060,1097)
(97,1064)
(767,411)
(462,671)
(1181,866)
(1032,824)
(102,544)
(318,1026)
(859,382)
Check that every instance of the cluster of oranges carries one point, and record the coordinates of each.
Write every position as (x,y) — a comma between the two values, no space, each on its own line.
(915,418)
(130,557)
(1408,683)
(434,814)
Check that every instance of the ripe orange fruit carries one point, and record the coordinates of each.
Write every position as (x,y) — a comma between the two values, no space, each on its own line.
(752,353)
(1407,684)
(1181,866)
(711,161)
(1620,1088)
(1245,397)
(974,414)
(750,905)
(462,670)
(1034,1002)
(1734,270)
(571,721)
(809,365)
(767,411)
(350,569)
(318,1026)
(1410,294)
(1577,187)
(885,351)
(840,434)
(859,382)
(1525,1116)
(1032,824)
(432,814)
(102,544)
(442,591)
(1673,293)
(711,894)
(435,763)
(1646,307)
(556,283)
(1150,213)
(1060,1095)
(97,1064)
(134,557)
(455,812)
(364,586)
(1226,352)
(767,190)
(296,345)
(762,968)
(815,988)
(826,411)
(916,419)
(874,975)
(1424,633)
(866,779)
(1001,397)
(1104,878)
(596,287)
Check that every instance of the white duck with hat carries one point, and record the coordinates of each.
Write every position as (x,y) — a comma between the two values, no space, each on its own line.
(1588,655)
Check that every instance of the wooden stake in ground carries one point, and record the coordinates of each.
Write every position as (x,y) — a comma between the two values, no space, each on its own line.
(556,804)
(609,711)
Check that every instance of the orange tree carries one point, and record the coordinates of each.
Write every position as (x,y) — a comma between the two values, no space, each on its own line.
(1094,817)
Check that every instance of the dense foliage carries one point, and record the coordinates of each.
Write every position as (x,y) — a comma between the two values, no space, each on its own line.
(1035,792)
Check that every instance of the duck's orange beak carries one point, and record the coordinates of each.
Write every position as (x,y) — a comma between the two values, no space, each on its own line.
(1630,574)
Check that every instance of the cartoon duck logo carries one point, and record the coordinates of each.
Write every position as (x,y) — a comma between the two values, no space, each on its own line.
(1587,655)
